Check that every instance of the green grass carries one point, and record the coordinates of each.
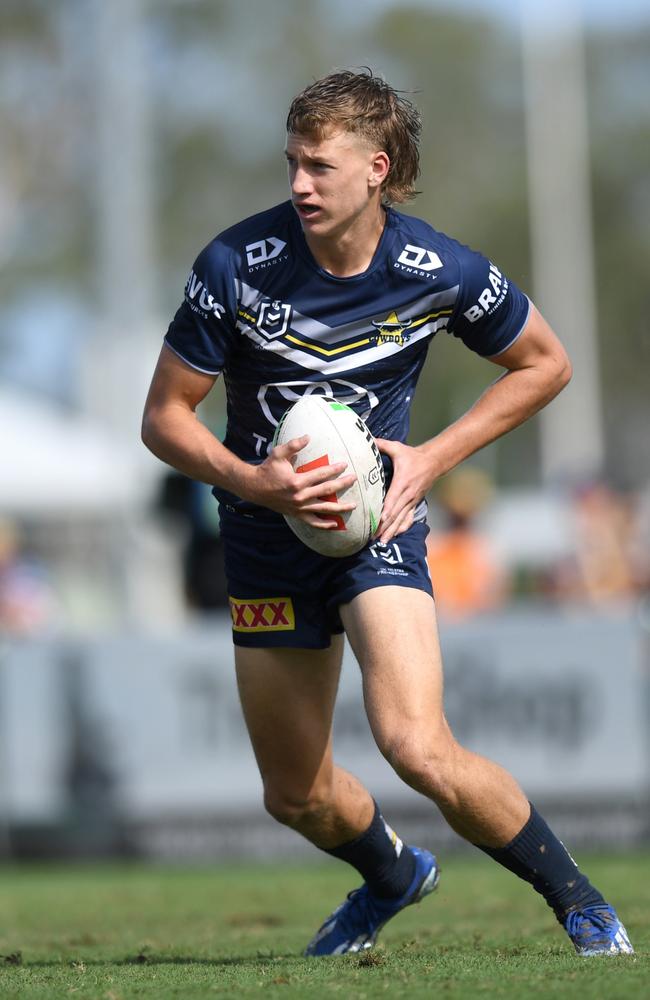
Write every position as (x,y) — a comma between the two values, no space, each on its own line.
(119,932)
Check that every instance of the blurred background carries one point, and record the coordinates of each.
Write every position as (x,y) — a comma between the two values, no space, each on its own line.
(131,133)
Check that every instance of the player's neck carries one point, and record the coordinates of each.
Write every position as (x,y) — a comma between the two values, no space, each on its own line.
(350,251)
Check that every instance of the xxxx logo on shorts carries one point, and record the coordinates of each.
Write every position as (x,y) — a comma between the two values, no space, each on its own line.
(262,614)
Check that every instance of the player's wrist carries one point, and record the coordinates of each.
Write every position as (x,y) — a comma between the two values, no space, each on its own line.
(243,480)
(431,462)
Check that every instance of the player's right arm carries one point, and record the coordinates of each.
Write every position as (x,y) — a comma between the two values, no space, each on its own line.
(172,430)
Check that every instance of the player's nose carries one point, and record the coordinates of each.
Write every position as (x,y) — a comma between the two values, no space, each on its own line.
(300,181)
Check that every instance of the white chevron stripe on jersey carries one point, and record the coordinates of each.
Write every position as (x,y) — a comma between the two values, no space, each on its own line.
(345,362)
(346,357)
(306,326)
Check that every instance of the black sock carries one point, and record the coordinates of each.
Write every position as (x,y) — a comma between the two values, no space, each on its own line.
(386,865)
(538,857)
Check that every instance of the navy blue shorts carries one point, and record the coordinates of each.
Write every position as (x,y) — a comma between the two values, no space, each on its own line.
(283,594)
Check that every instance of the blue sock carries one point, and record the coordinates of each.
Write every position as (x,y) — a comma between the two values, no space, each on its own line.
(538,857)
(385,863)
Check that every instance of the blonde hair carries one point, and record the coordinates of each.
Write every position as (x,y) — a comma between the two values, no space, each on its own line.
(366,105)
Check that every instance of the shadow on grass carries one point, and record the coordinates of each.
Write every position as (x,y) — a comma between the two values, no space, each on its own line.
(151,960)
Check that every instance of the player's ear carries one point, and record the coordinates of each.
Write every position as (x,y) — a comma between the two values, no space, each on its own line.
(379,167)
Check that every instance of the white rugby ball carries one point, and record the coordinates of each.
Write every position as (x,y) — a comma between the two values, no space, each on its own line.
(336,434)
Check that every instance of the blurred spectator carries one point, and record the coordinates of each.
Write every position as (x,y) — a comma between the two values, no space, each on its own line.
(26,597)
(467,575)
(601,568)
(640,554)
(203,572)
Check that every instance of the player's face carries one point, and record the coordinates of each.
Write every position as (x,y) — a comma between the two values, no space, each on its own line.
(334,181)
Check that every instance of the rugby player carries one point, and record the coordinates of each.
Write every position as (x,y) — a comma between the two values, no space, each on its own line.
(336,292)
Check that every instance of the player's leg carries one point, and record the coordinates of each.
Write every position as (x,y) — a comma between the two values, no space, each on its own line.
(393,633)
(394,636)
(287,698)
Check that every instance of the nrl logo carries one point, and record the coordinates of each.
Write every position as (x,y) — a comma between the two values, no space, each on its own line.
(273,318)
(391,330)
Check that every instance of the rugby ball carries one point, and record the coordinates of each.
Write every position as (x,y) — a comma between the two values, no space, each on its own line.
(336,434)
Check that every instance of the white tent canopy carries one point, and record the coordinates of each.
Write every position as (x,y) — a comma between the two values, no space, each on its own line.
(53,462)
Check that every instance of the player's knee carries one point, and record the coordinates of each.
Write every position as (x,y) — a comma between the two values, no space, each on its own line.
(294,809)
(423,763)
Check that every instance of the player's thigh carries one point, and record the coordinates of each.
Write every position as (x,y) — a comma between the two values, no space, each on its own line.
(394,635)
(288,698)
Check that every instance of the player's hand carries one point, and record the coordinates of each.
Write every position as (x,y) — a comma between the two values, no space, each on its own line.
(411,481)
(310,496)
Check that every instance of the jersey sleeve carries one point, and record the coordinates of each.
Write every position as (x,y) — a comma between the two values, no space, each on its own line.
(490,312)
(203,331)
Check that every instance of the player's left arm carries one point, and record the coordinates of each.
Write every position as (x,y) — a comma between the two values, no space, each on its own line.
(536,369)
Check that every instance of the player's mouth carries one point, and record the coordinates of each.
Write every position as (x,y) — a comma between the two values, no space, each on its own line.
(306,211)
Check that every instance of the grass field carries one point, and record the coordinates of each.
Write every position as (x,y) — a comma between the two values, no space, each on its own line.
(118,932)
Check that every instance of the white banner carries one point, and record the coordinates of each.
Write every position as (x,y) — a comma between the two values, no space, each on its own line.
(154,724)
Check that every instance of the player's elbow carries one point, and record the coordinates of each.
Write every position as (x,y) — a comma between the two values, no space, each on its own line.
(559,372)
(145,430)
(149,431)
(564,370)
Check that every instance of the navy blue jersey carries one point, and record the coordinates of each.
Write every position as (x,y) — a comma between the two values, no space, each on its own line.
(260,310)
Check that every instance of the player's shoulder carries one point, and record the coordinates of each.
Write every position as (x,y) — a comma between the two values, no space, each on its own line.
(423,248)
(421,234)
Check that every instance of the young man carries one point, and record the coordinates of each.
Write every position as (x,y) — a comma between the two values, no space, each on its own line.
(334,292)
